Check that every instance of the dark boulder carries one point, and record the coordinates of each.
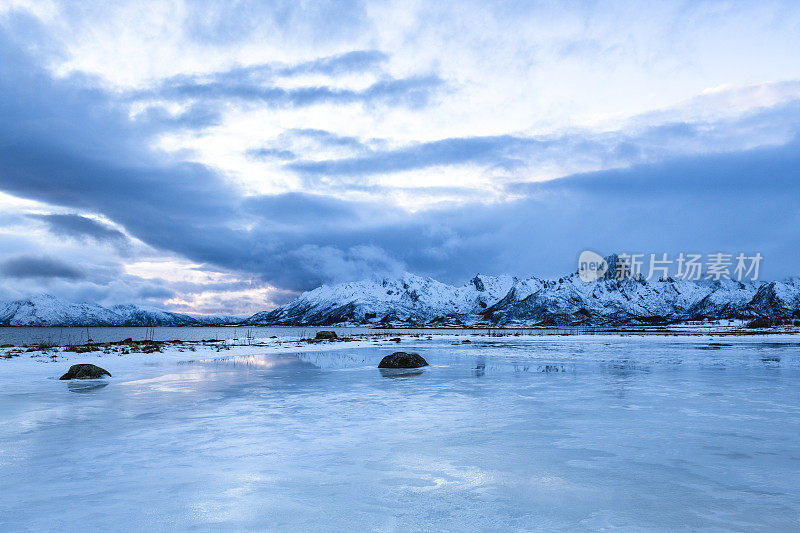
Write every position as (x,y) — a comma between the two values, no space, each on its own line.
(85,371)
(761,322)
(326,335)
(402,360)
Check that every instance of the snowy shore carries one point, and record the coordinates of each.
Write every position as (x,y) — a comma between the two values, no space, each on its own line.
(30,364)
(34,363)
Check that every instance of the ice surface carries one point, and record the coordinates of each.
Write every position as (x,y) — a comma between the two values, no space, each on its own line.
(549,434)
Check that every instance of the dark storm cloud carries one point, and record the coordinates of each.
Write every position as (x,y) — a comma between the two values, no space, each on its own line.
(765,171)
(66,143)
(26,267)
(738,202)
(72,225)
(307,209)
(155,293)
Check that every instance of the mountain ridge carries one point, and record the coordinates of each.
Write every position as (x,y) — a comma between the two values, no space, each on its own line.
(493,301)
(47,310)
(510,301)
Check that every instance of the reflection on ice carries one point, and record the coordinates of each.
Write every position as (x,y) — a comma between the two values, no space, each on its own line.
(86,385)
(623,368)
(270,362)
(400,372)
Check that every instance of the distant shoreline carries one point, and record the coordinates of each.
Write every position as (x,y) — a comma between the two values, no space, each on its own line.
(99,338)
(675,327)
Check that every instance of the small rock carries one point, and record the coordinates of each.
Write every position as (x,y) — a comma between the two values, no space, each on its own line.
(326,335)
(85,371)
(402,360)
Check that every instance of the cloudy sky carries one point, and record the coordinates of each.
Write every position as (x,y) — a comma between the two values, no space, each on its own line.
(218,156)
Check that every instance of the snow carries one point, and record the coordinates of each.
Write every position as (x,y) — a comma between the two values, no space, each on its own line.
(517,433)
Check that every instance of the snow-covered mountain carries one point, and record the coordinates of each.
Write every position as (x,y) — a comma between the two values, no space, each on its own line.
(571,301)
(217,319)
(505,300)
(46,310)
(150,316)
(489,300)
(409,298)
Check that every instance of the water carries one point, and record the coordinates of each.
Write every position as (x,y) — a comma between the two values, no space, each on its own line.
(60,336)
(20,336)
(550,434)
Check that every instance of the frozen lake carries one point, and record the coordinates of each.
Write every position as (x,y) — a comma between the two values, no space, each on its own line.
(549,434)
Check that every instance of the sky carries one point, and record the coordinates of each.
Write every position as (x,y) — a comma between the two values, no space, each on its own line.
(218,156)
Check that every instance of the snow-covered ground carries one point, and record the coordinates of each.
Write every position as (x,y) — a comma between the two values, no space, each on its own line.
(588,432)
(43,364)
